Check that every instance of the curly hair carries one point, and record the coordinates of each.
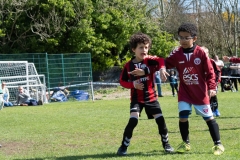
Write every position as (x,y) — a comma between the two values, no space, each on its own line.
(188,27)
(139,38)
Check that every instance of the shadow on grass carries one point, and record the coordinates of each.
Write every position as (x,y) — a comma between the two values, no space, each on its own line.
(112,155)
(223,117)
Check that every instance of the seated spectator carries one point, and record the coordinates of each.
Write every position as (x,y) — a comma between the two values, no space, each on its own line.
(6,95)
(24,99)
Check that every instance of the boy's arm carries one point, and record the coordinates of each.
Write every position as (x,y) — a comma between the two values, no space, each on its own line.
(139,72)
(231,59)
(124,78)
(155,61)
(233,67)
(170,61)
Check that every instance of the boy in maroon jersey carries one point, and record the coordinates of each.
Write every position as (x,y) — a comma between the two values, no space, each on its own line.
(138,75)
(197,85)
(217,71)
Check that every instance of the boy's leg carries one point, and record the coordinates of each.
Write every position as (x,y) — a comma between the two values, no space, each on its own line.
(206,113)
(127,135)
(214,131)
(155,110)
(184,130)
(128,131)
(184,112)
(163,132)
(218,148)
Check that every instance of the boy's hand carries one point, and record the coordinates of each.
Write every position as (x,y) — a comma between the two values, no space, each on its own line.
(226,58)
(138,85)
(212,93)
(163,74)
(137,72)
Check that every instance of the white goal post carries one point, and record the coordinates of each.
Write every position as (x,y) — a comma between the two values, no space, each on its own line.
(22,73)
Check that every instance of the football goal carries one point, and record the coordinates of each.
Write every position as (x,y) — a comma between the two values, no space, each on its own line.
(22,73)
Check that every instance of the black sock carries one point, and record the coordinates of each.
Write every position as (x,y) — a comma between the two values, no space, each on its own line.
(127,135)
(162,129)
(214,131)
(184,130)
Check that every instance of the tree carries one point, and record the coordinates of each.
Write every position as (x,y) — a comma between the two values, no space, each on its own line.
(101,27)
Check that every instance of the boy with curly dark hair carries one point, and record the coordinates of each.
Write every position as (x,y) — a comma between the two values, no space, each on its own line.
(138,75)
(197,85)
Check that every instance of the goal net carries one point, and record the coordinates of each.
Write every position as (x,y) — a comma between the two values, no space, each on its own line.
(22,73)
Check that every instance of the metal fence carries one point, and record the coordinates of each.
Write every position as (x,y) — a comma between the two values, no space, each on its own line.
(72,70)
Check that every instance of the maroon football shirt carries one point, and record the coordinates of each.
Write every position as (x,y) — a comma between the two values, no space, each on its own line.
(196,74)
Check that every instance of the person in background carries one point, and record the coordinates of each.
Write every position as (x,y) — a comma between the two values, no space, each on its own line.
(6,95)
(24,99)
(1,96)
(232,60)
(220,64)
(234,74)
(217,71)
(158,83)
(1,100)
(173,81)
(238,72)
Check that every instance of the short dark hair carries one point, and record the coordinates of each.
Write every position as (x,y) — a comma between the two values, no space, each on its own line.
(188,27)
(139,38)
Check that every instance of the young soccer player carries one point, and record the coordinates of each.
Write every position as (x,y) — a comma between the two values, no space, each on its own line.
(197,85)
(138,75)
(217,71)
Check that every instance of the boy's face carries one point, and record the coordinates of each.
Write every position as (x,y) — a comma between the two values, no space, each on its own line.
(141,51)
(186,39)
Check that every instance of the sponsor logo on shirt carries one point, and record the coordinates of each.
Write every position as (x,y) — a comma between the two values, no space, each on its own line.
(190,76)
(142,79)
